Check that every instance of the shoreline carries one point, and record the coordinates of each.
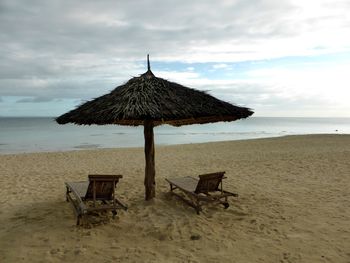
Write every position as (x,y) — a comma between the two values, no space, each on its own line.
(44,135)
(292,205)
(78,149)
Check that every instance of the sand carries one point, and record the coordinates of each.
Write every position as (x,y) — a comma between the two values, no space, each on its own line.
(293,204)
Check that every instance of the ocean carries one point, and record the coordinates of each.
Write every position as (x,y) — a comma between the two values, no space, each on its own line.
(24,135)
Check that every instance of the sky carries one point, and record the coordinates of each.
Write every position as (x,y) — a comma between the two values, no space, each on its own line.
(281,58)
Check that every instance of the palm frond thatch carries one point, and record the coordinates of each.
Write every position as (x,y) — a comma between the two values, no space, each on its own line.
(151,98)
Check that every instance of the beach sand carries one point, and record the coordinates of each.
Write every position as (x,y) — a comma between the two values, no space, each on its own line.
(293,204)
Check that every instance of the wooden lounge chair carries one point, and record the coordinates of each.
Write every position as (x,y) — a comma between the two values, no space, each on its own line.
(86,195)
(206,189)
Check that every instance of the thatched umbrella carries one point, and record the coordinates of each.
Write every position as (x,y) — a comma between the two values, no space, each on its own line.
(151,101)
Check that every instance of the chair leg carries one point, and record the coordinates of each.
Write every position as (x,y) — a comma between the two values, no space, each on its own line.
(198,207)
(226,204)
(67,193)
(78,220)
(114,212)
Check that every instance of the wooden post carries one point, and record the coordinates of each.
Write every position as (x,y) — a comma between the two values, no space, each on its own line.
(149,155)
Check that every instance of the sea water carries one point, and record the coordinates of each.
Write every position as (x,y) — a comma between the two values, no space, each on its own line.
(21,135)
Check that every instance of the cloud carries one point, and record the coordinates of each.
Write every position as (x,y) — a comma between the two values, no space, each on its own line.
(191,31)
(328,81)
(220,66)
(62,49)
(268,100)
(34,100)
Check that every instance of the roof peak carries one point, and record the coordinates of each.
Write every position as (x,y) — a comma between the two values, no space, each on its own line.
(148,74)
(148,65)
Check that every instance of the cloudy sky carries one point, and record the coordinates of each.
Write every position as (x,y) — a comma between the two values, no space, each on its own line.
(278,57)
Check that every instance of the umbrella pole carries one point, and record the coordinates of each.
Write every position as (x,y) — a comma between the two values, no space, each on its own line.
(149,155)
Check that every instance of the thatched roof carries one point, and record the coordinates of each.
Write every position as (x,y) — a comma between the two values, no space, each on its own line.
(150,98)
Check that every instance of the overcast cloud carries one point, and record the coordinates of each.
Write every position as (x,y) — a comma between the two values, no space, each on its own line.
(57,52)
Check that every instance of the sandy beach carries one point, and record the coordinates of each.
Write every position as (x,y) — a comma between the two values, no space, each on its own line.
(293,204)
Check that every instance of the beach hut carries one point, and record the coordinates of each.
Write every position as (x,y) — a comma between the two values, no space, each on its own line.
(151,101)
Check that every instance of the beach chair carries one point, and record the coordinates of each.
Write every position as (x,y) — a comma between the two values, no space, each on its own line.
(206,189)
(97,194)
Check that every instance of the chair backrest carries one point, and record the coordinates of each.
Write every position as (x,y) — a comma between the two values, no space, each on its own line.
(103,185)
(209,182)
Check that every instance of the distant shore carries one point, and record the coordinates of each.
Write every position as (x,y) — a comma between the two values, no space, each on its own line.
(292,204)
